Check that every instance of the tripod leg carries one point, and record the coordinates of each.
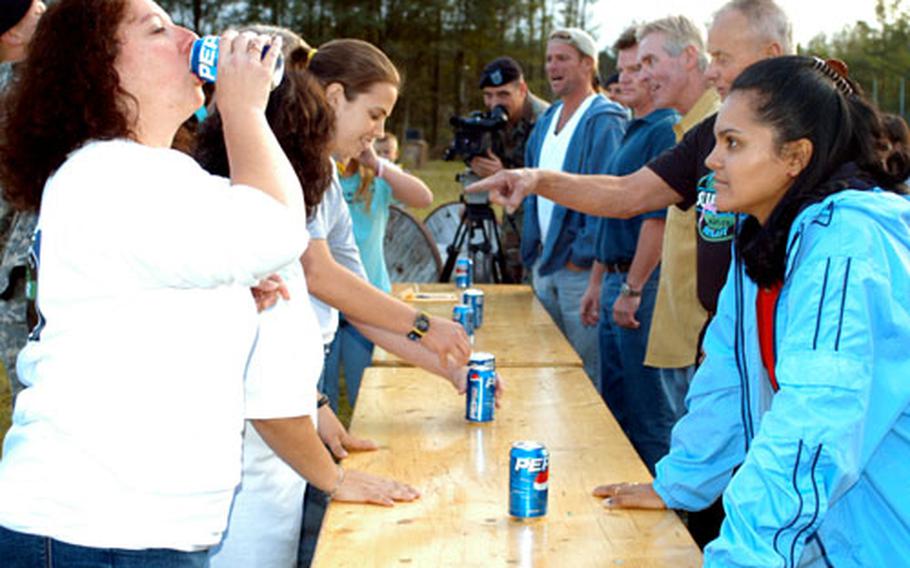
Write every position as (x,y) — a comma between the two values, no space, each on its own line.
(453,249)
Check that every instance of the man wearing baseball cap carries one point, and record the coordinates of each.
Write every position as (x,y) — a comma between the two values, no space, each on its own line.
(503,84)
(578,134)
(18,19)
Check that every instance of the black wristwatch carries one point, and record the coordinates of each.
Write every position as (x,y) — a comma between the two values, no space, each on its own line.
(421,327)
(322,401)
(626,290)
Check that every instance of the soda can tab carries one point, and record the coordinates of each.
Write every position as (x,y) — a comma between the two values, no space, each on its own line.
(482,359)
(464,314)
(464,273)
(480,398)
(204,60)
(529,474)
(474,298)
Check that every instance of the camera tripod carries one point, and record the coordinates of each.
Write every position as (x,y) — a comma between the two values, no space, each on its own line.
(478,217)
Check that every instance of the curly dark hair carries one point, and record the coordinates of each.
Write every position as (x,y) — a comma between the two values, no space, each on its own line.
(300,117)
(801,97)
(66,93)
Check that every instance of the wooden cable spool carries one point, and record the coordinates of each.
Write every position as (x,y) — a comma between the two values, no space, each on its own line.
(410,252)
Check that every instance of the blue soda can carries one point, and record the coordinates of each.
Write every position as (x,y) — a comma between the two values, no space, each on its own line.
(204,60)
(464,273)
(464,314)
(480,398)
(474,298)
(482,359)
(529,473)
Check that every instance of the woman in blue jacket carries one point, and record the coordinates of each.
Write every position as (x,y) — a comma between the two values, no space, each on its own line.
(800,413)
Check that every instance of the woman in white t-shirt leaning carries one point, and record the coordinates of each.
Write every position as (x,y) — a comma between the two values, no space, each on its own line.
(281,448)
(125,445)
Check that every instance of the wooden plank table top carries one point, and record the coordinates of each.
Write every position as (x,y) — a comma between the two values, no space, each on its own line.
(516,328)
(462,472)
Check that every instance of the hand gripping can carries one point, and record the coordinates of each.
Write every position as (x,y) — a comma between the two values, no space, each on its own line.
(481,395)
(529,472)
(464,314)
(204,60)
(464,273)
(474,298)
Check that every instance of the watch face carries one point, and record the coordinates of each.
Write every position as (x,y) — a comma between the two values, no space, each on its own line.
(422,323)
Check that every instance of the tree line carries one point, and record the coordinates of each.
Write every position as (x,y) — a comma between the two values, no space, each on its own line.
(439,46)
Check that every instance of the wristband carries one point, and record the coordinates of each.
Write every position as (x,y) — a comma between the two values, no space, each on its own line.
(323,400)
(338,483)
(380,167)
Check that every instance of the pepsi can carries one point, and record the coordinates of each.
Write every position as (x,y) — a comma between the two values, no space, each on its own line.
(482,359)
(529,472)
(204,60)
(464,314)
(481,395)
(464,273)
(474,298)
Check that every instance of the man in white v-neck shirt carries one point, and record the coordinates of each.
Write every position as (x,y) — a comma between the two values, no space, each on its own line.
(578,134)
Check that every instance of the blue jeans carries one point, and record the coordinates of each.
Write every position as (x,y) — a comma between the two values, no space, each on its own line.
(353,352)
(560,293)
(633,391)
(20,550)
(676,383)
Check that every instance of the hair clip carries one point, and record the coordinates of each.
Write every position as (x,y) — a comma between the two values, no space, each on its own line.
(309,56)
(835,70)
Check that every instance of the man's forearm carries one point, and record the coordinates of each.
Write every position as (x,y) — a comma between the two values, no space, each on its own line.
(647,253)
(619,197)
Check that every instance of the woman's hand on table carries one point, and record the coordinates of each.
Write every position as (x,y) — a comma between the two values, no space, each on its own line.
(267,292)
(448,340)
(336,437)
(459,378)
(362,487)
(630,496)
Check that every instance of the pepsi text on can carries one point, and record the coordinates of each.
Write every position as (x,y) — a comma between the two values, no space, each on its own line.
(204,60)
(529,475)
(480,398)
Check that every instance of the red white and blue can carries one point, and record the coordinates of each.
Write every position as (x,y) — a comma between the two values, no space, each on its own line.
(464,273)
(529,473)
(474,298)
(482,359)
(481,396)
(464,314)
(204,60)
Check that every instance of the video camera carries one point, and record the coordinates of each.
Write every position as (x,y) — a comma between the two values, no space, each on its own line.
(474,137)
(473,133)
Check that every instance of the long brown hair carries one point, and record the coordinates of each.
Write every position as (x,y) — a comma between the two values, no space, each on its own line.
(355,64)
(299,115)
(364,191)
(66,93)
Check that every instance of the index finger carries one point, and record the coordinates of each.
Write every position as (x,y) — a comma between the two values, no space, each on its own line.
(493,182)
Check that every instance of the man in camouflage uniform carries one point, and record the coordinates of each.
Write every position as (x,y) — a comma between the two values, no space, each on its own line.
(503,84)
(18,19)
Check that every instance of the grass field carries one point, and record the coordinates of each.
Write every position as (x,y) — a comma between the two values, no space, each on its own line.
(439,175)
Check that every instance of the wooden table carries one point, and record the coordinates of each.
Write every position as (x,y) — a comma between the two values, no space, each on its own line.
(462,471)
(516,328)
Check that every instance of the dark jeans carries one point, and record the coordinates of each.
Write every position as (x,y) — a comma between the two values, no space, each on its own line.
(633,391)
(20,550)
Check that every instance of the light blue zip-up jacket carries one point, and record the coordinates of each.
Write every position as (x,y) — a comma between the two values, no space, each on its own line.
(825,474)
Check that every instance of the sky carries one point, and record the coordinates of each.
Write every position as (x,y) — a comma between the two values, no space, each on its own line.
(809,17)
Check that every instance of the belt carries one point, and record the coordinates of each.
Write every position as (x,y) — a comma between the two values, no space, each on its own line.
(616,267)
